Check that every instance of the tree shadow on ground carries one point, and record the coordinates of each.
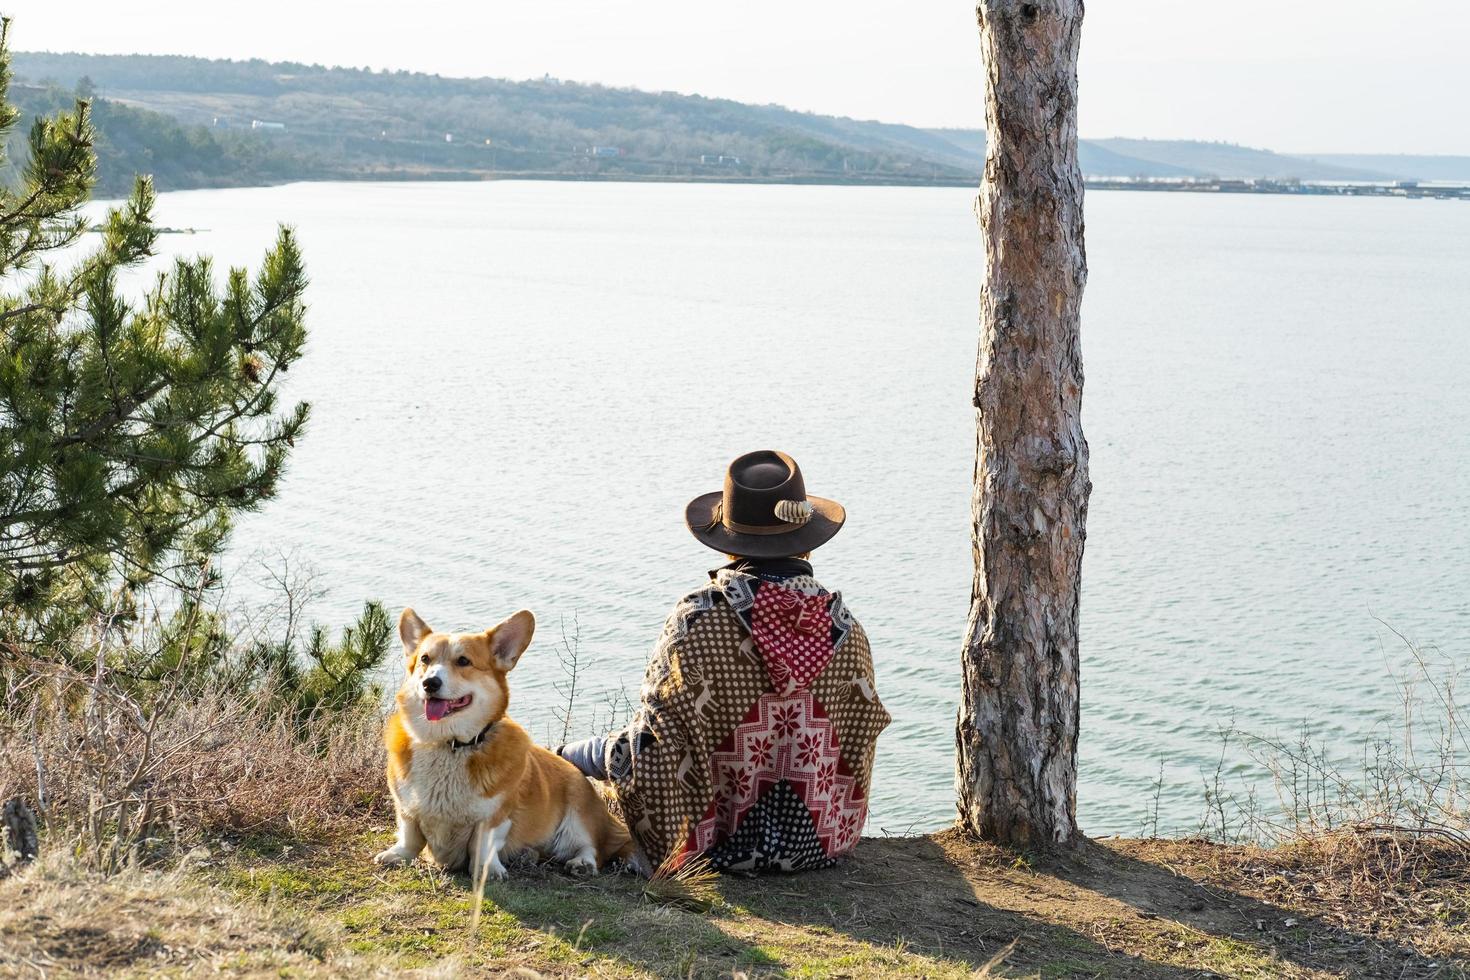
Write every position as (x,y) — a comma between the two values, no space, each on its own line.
(913,893)
(868,916)
(1093,911)
(934,906)
(1139,874)
(608,916)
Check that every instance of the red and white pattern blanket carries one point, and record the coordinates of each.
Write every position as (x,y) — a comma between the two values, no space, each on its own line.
(753,743)
(785,739)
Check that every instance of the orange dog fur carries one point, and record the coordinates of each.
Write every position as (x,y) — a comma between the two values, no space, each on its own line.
(467,782)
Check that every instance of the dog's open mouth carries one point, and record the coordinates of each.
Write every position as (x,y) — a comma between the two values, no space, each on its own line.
(437,709)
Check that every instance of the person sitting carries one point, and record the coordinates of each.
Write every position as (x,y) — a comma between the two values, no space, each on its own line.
(752,744)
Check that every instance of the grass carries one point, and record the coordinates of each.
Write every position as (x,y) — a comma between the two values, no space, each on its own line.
(939,906)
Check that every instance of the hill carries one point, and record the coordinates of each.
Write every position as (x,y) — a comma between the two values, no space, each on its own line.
(132,141)
(1202,160)
(1230,161)
(1096,160)
(361,123)
(196,122)
(1447,168)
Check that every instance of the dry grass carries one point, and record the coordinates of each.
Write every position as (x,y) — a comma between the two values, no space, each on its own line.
(931,907)
(126,778)
(1384,884)
(690,883)
(60,920)
(1382,840)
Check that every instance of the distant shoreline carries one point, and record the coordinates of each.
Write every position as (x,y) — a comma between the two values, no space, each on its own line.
(1276,187)
(1404,189)
(834,180)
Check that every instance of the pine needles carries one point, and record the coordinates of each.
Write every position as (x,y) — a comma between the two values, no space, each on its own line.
(686,882)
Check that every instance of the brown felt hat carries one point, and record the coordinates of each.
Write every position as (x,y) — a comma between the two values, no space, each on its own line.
(764,510)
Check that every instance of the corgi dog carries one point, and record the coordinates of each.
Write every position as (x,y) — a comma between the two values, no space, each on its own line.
(467,782)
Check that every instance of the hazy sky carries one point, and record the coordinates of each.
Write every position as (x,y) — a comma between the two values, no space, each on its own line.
(1298,75)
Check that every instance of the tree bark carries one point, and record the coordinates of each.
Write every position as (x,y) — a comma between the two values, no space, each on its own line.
(1016,736)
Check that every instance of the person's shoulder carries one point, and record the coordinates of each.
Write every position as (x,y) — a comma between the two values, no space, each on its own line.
(692,605)
(698,600)
(845,625)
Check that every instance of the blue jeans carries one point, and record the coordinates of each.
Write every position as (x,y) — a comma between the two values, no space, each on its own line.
(587,755)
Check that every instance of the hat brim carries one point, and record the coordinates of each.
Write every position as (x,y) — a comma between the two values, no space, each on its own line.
(827,519)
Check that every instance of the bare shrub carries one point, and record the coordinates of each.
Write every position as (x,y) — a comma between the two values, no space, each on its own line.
(612,714)
(568,654)
(126,779)
(141,733)
(1387,835)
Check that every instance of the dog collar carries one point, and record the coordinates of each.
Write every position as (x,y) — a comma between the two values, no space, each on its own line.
(455,744)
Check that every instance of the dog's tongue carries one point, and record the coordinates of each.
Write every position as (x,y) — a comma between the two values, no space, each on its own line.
(435,709)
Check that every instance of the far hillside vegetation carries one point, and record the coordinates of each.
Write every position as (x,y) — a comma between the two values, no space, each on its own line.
(133,140)
(361,123)
(196,122)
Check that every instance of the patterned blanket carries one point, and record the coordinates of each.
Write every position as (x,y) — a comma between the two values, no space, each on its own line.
(753,742)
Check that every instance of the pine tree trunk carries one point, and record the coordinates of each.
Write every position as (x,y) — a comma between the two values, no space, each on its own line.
(1016,737)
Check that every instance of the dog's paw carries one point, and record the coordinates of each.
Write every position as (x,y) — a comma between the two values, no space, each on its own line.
(582,865)
(391,858)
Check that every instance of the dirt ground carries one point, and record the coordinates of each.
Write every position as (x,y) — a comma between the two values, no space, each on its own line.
(933,906)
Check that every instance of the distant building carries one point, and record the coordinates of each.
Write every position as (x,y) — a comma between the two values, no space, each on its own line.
(262,124)
(723,159)
(607,151)
(220,122)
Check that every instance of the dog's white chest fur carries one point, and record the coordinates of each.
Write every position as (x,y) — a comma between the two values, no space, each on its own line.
(439,795)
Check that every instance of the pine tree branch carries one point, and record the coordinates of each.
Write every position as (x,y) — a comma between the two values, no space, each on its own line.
(31,308)
(116,417)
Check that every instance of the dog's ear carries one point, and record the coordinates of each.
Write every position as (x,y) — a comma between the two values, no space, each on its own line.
(510,639)
(411,630)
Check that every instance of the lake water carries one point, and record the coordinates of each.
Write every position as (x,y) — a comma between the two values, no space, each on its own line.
(517,386)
